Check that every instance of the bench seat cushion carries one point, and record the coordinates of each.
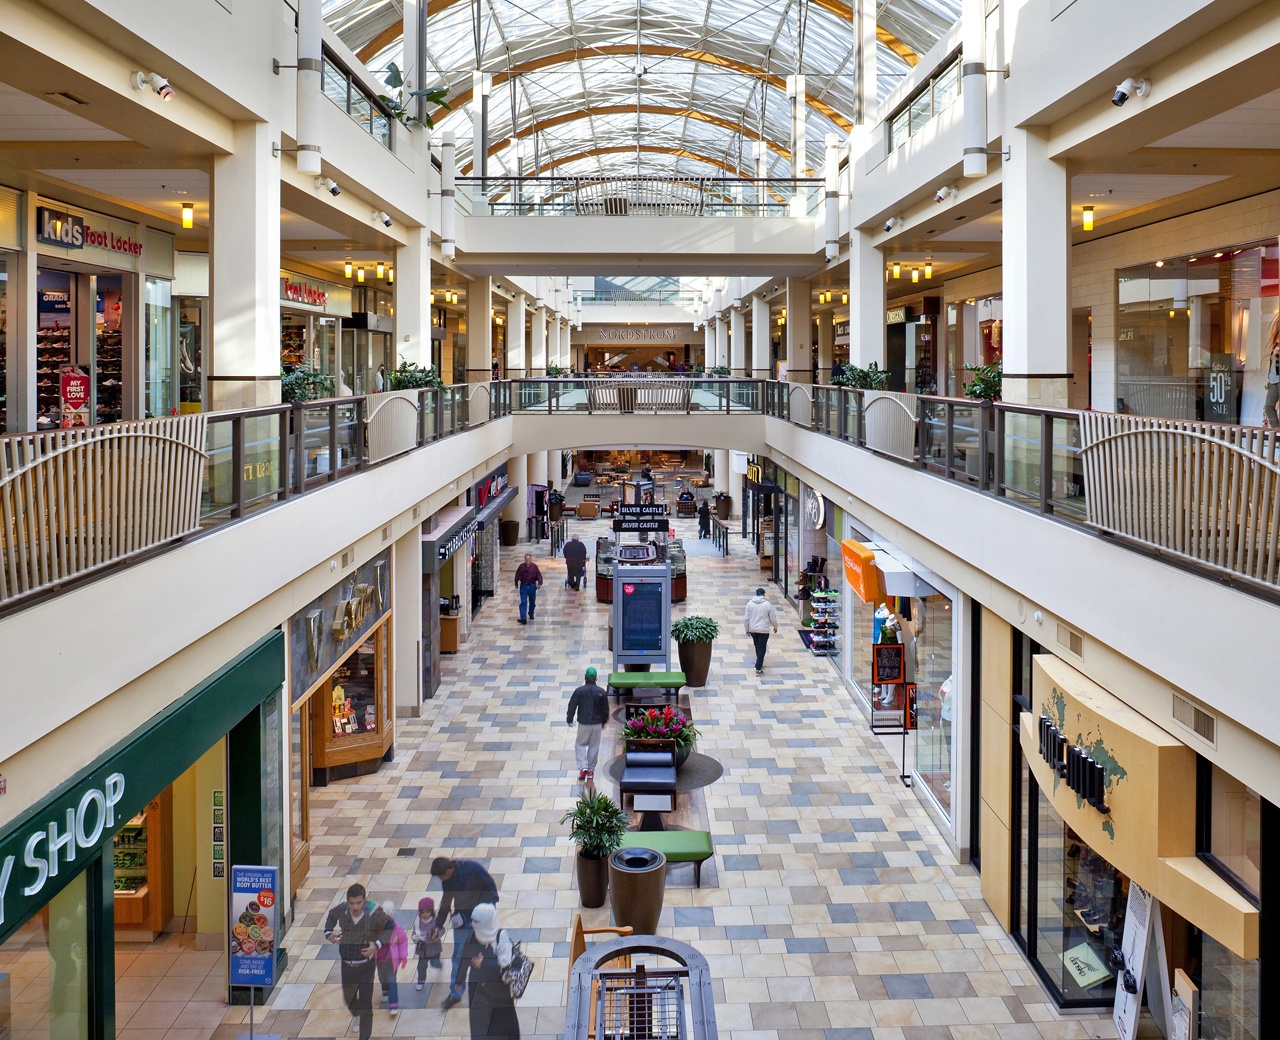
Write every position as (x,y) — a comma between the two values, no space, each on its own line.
(677,846)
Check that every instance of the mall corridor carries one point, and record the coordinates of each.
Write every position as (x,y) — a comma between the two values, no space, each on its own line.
(832,910)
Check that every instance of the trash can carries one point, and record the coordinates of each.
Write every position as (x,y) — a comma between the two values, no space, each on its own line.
(724,505)
(509,532)
(637,888)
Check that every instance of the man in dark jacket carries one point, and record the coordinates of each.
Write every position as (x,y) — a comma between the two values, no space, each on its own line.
(528,581)
(466,885)
(575,557)
(360,931)
(591,704)
(704,520)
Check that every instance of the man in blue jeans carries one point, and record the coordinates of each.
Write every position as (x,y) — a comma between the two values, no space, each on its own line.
(466,885)
(528,581)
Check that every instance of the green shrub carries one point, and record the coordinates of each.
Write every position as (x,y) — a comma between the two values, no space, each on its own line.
(304,383)
(696,628)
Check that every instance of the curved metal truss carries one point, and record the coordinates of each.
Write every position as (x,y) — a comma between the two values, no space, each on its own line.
(591,77)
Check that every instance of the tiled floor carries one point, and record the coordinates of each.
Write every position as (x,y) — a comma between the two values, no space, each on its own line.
(832,911)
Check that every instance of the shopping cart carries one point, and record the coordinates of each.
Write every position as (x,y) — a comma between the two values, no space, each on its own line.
(665,995)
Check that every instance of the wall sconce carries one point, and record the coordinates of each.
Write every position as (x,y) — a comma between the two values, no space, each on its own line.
(391,276)
(188,215)
(346,268)
(928,267)
(382,269)
(897,269)
(915,274)
(360,275)
(152,81)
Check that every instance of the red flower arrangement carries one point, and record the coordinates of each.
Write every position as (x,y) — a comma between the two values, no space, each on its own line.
(667,724)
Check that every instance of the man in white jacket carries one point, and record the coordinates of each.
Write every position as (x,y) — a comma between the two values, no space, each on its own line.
(760,618)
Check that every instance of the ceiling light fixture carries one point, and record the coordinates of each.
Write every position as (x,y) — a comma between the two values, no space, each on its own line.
(382,269)
(928,267)
(188,215)
(1159,263)
(1088,218)
(360,274)
(915,274)
(897,269)
(346,268)
(844,297)
(391,276)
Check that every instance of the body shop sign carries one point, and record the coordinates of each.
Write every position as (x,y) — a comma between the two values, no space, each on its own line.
(253,925)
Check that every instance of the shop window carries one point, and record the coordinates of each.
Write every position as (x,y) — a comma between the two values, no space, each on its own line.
(158,387)
(45,968)
(1230,829)
(934,97)
(1190,334)
(930,626)
(345,91)
(1230,990)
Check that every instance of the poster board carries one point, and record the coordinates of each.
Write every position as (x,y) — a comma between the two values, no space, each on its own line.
(888,664)
(253,925)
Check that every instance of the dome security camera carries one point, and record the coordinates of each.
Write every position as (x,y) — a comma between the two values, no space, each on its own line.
(329,184)
(1129,87)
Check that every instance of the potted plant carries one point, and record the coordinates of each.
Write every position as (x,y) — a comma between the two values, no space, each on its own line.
(555,505)
(987,382)
(413,377)
(398,102)
(304,383)
(597,825)
(720,371)
(694,634)
(666,723)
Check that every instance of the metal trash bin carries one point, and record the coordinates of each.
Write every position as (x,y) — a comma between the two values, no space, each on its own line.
(649,1001)
(509,532)
(638,887)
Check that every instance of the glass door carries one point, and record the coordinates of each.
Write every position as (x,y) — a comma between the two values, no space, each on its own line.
(190,340)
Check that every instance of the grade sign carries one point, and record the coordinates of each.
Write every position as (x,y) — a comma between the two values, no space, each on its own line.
(252,927)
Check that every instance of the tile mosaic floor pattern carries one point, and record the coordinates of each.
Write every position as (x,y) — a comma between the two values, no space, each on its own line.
(833,909)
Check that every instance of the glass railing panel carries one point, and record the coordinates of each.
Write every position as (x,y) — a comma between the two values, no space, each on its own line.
(933,426)
(218,493)
(350,435)
(429,405)
(851,402)
(532,396)
(261,473)
(1068,469)
(1022,451)
(970,454)
(745,396)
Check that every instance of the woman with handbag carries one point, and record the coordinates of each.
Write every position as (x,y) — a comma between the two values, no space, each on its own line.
(493,1009)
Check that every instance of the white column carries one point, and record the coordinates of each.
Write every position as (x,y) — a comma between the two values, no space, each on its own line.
(406,599)
(722,477)
(866,301)
(517,477)
(554,466)
(826,344)
(24,320)
(515,337)
(738,340)
(538,342)
(1037,274)
(761,337)
(479,343)
(973,83)
(310,24)
(799,332)
(722,340)
(413,298)
(538,468)
(244,272)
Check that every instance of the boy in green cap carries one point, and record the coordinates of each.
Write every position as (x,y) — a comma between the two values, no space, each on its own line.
(591,704)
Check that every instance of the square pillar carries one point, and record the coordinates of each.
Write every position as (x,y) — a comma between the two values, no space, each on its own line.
(538,343)
(738,341)
(826,344)
(244,272)
(799,332)
(406,600)
(24,319)
(479,344)
(866,301)
(413,299)
(761,339)
(516,336)
(722,340)
(1037,274)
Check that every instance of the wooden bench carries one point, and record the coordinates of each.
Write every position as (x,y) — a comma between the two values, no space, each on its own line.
(669,682)
(678,846)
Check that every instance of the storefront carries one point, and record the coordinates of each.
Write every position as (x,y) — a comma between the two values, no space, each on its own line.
(759,505)
(974,330)
(103,347)
(447,537)
(902,656)
(311,322)
(368,353)
(1112,827)
(911,345)
(341,706)
(488,497)
(156,819)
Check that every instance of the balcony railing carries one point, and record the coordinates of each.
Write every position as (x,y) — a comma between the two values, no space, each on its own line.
(624,395)
(74,503)
(638,196)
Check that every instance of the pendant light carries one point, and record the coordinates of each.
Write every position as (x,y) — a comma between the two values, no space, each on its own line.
(915,274)
(897,269)
(188,215)
(928,267)
(382,269)
(391,276)
(1088,218)
(346,268)
(360,274)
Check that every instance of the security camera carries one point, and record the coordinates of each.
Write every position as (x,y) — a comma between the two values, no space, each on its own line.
(893,222)
(944,193)
(153,81)
(330,184)
(1129,87)
(888,225)
(386,220)
(378,214)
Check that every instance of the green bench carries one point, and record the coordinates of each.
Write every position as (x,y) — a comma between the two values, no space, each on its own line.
(670,683)
(678,846)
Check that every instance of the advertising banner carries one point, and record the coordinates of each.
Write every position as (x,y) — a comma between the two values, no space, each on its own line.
(253,925)
(74,387)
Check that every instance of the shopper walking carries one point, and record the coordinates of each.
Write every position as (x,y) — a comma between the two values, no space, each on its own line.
(528,581)
(704,520)
(359,930)
(575,558)
(760,618)
(391,958)
(466,885)
(492,1009)
(425,937)
(1271,406)
(591,705)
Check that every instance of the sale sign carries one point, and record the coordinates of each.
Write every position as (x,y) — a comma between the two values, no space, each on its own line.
(75,391)
(253,925)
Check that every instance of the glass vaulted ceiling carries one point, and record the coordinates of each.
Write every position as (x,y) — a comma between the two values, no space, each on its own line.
(707,84)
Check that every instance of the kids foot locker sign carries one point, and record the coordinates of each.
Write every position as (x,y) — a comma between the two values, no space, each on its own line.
(253,925)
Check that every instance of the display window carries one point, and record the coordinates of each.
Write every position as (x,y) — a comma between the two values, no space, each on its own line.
(45,969)
(353,702)
(159,391)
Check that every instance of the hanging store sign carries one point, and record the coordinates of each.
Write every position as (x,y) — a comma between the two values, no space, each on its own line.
(861,572)
(897,315)
(639,524)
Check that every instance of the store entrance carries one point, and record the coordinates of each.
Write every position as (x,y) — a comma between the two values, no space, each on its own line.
(81,318)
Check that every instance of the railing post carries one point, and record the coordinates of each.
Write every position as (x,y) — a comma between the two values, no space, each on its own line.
(1046,463)
(282,436)
(986,413)
(361,434)
(998,477)
(298,417)
(950,440)
(237,467)
(862,418)
(422,417)
(332,411)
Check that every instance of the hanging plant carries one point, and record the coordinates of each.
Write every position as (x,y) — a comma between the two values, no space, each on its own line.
(398,102)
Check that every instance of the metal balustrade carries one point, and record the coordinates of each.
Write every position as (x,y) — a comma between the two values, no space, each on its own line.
(647,196)
(626,395)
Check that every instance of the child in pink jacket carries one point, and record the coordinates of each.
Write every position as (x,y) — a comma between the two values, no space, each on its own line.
(391,958)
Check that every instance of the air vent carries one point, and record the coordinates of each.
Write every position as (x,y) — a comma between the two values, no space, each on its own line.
(1070,640)
(417,512)
(61,97)
(1196,719)
(348,557)
(386,533)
